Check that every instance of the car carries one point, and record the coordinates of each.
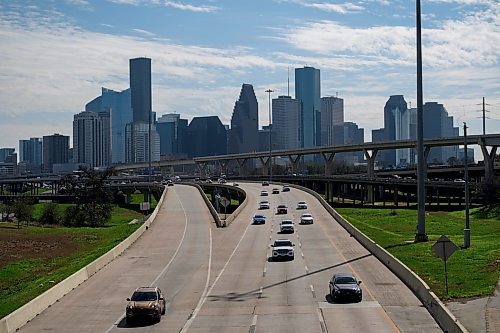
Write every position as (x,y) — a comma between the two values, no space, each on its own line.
(222,180)
(264,204)
(264,193)
(306,218)
(301,205)
(345,286)
(259,219)
(283,249)
(208,181)
(285,188)
(170,183)
(276,191)
(146,302)
(236,184)
(265,183)
(287,226)
(281,209)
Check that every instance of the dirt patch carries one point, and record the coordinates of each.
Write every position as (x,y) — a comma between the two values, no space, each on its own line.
(19,245)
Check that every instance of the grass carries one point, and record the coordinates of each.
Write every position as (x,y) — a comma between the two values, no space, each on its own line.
(23,280)
(472,272)
(137,198)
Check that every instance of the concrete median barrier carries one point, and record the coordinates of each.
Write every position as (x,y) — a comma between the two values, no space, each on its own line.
(443,316)
(211,208)
(24,314)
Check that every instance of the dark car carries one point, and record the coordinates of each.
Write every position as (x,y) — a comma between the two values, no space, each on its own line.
(276,191)
(265,183)
(345,286)
(146,302)
(259,219)
(281,209)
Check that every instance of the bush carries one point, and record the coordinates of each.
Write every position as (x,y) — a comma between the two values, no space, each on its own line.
(50,214)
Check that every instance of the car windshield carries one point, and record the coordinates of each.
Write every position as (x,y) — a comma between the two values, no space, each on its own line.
(306,215)
(139,296)
(345,280)
(264,202)
(259,216)
(286,222)
(282,243)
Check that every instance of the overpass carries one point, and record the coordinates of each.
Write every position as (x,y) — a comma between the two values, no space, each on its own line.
(369,150)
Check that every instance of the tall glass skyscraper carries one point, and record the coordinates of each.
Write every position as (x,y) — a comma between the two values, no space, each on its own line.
(140,86)
(243,136)
(308,92)
(55,151)
(30,152)
(286,124)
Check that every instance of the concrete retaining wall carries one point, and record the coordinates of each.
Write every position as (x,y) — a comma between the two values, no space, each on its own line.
(211,208)
(24,314)
(443,316)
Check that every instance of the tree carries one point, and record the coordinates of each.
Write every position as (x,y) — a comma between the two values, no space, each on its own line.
(94,200)
(50,214)
(23,210)
(489,191)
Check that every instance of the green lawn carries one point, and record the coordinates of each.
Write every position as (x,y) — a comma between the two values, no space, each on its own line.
(24,279)
(473,272)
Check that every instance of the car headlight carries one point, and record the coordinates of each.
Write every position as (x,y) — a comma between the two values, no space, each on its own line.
(358,291)
(275,253)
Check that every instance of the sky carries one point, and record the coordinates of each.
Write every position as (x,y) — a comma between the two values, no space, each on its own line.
(55,55)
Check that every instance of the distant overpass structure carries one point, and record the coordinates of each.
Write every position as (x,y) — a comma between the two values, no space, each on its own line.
(488,143)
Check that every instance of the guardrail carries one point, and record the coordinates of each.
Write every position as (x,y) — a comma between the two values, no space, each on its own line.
(30,310)
(443,316)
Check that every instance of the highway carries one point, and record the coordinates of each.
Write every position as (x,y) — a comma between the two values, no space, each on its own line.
(221,280)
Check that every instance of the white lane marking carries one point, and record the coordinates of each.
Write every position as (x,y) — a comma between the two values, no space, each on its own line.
(254,324)
(204,294)
(261,290)
(307,270)
(312,291)
(204,298)
(166,266)
(302,254)
(321,321)
(265,270)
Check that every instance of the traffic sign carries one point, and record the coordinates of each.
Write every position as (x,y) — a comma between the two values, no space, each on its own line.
(224,202)
(444,247)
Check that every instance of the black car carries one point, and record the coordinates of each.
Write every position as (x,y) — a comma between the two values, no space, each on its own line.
(345,286)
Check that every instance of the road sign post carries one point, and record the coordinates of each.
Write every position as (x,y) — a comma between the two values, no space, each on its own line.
(444,248)
(224,202)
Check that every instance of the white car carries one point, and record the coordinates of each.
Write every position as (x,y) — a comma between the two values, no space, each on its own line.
(283,249)
(264,204)
(264,193)
(306,218)
(301,205)
(287,226)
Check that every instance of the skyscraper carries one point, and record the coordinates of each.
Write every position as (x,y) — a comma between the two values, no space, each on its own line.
(438,124)
(91,139)
(308,92)
(172,131)
(206,136)
(30,152)
(286,123)
(120,114)
(55,151)
(332,114)
(140,87)
(243,135)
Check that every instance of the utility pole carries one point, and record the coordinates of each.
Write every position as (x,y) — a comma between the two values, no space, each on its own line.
(484,118)
(466,178)
(269,91)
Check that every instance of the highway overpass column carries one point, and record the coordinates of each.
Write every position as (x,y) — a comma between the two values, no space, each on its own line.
(223,167)
(294,160)
(370,158)
(265,164)
(328,163)
(202,168)
(489,158)
(241,165)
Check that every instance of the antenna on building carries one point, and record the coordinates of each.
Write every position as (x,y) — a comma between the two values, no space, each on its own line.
(288,81)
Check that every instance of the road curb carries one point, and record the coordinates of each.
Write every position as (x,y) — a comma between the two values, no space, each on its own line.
(30,310)
(443,316)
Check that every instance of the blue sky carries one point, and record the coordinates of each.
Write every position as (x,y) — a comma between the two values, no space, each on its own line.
(56,55)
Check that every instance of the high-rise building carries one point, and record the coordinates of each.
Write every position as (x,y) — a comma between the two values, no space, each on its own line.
(243,135)
(308,92)
(206,136)
(332,114)
(140,87)
(438,124)
(137,141)
(172,131)
(6,152)
(55,151)
(118,104)
(91,144)
(30,153)
(286,123)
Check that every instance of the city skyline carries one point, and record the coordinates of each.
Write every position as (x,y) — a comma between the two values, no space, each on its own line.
(57,56)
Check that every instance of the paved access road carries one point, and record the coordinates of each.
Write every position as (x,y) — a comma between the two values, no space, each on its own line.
(221,280)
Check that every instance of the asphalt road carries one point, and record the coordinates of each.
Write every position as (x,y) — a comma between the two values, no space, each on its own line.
(221,280)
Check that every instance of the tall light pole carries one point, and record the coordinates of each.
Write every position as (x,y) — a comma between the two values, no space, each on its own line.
(466,178)
(420,236)
(269,91)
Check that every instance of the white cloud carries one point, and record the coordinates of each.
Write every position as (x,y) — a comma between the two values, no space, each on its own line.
(144,32)
(189,7)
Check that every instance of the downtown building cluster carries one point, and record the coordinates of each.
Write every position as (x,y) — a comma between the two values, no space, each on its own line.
(120,127)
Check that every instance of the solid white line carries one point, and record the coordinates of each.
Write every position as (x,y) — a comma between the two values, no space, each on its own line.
(204,298)
(261,290)
(312,291)
(164,268)
(307,270)
(321,320)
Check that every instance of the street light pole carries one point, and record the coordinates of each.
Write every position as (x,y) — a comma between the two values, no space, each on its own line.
(420,236)
(269,91)
(466,178)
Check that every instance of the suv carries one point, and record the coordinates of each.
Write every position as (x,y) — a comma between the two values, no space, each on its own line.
(259,219)
(283,249)
(306,218)
(301,205)
(145,302)
(281,209)
(276,191)
(265,183)
(264,204)
(286,226)
(285,188)
(345,286)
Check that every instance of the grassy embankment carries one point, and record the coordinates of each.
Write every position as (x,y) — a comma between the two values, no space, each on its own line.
(472,272)
(23,279)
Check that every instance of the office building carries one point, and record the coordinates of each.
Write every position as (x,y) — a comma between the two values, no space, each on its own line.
(91,139)
(6,152)
(286,123)
(55,151)
(137,141)
(438,124)
(308,92)
(30,155)
(243,135)
(332,114)
(206,136)
(172,132)
(118,105)
(140,87)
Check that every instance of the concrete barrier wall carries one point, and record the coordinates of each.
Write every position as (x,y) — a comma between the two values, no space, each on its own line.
(24,314)
(235,214)
(443,316)
(211,208)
